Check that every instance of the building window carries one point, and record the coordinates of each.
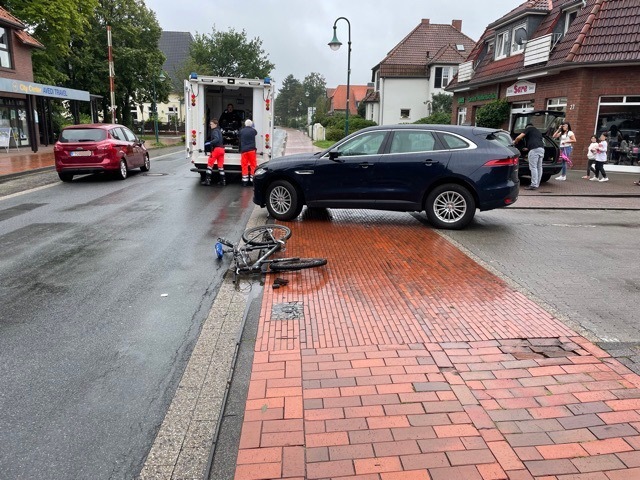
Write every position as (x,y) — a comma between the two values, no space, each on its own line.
(515,47)
(5,53)
(502,45)
(442,77)
(569,17)
(405,113)
(557,104)
(620,115)
(462,116)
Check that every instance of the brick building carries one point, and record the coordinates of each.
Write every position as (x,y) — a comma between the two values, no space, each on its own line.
(581,57)
(24,105)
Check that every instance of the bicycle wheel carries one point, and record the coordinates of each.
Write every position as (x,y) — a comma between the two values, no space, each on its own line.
(296,264)
(266,234)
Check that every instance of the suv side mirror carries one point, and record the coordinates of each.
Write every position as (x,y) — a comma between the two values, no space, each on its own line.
(334,154)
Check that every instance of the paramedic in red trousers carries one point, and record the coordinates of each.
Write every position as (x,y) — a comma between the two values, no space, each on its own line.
(217,154)
(247,136)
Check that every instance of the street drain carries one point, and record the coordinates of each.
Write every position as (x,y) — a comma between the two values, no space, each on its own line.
(287,311)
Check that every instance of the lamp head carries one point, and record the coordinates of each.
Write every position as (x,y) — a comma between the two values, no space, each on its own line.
(335,43)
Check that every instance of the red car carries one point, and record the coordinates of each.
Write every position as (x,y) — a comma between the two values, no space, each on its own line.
(99,148)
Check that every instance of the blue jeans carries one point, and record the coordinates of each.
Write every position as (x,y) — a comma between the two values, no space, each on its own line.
(567,151)
(535,157)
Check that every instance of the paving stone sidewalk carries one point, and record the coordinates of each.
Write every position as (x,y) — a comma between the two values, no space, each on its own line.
(404,359)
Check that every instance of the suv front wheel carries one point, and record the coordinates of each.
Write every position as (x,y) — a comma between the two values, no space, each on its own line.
(283,202)
(450,206)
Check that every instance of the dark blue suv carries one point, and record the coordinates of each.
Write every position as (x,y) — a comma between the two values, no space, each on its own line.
(446,170)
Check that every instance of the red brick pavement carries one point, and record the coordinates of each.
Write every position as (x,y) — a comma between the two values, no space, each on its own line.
(403,359)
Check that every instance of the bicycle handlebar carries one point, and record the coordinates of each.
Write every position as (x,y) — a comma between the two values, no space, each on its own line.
(225,242)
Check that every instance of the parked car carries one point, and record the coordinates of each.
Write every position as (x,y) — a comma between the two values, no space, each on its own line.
(99,148)
(446,170)
(547,121)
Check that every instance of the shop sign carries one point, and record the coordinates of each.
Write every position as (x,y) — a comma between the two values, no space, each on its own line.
(521,88)
(479,98)
(30,88)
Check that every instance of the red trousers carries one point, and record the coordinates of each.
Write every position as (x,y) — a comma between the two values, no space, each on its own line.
(216,157)
(248,162)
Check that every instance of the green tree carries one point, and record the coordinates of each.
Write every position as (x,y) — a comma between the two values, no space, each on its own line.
(58,26)
(137,58)
(290,103)
(315,86)
(441,103)
(228,54)
(493,114)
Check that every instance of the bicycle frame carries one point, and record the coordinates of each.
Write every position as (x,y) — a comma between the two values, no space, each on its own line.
(242,259)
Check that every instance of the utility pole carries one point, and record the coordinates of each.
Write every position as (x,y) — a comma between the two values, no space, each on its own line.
(112,75)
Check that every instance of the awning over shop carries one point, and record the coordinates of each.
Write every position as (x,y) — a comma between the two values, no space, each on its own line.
(38,89)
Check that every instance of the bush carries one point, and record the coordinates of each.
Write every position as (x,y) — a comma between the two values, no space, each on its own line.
(493,115)
(334,134)
(438,118)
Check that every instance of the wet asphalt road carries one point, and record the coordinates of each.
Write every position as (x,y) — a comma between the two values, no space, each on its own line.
(103,288)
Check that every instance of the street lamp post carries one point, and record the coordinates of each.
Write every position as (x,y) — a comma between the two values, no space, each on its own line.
(160,77)
(155,110)
(335,45)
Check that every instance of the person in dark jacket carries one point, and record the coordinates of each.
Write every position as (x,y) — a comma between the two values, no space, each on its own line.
(534,143)
(217,154)
(247,136)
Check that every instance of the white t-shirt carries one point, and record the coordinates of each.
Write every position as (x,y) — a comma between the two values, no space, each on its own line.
(601,156)
(592,150)
(564,139)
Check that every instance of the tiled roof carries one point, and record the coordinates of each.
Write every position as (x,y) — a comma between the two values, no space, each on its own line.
(18,27)
(371,97)
(417,50)
(7,18)
(339,97)
(175,46)
(27,39)
(604,31)
(534,6)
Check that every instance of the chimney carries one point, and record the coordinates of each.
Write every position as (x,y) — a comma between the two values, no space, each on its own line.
(457,24)
(425,21)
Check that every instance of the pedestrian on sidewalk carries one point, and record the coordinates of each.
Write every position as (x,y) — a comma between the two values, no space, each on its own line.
(591,157)
(567,139)
(601,159)
(534,142)
(247,137)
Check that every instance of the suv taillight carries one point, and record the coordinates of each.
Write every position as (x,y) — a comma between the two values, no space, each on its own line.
(502,162)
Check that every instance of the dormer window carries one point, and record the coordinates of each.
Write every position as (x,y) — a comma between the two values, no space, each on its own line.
(518,38)
(5,52)
(569,17)
(502,45)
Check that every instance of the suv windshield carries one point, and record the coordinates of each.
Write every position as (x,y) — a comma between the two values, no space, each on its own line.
(83,135)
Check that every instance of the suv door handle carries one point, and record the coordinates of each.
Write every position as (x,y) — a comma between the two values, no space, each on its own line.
(430,162)
(366,164)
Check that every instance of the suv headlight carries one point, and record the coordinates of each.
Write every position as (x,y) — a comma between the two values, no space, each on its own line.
(260,171)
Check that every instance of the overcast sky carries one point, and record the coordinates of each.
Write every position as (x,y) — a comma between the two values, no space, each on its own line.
(295,33)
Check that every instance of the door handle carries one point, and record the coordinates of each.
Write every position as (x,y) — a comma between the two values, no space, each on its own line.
(430,162)
(366,164)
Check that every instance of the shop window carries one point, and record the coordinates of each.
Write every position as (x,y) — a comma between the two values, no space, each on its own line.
(5,52)
(462,116)
(620,115)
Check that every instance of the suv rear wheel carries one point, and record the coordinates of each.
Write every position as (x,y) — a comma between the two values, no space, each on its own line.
(450,206)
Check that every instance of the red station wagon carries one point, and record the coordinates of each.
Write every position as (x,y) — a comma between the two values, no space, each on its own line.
(99,148)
